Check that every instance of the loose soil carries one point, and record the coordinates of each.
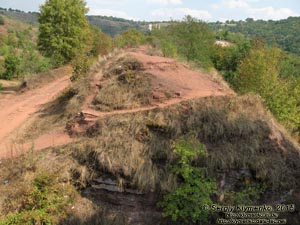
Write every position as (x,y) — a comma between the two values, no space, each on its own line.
(167,75)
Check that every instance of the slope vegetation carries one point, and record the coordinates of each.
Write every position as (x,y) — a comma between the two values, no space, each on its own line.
(118,161)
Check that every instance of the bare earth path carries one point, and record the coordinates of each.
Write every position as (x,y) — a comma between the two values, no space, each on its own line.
(15,109)
(166,74)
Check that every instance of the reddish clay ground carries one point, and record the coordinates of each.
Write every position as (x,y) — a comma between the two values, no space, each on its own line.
(167,74)
(15,109)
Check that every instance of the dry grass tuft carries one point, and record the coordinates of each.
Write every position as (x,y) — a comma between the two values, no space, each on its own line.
(126,86)
(136,151)
(236,130)
(39,80)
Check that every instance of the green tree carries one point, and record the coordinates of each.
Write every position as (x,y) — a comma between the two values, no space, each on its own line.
(63,28)
(100,43)
(129,39)
(11,65)
(260,73)
(161,39)
(194,40)
(227,59)
(2,22)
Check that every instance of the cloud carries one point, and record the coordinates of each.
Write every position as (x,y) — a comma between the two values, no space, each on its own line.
(244,7)
(271,13)
(179,13)
(165,2)
(236,4)
(231,4)
(110,12)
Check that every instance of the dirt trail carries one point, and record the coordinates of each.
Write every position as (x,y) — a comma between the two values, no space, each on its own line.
(166,74)
(16,109)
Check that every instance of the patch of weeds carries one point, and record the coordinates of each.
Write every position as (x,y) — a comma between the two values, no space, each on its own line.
(184,204)
(248,195)
(127,86)
(43,202)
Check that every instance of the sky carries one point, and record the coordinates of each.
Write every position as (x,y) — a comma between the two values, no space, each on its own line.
(158,10)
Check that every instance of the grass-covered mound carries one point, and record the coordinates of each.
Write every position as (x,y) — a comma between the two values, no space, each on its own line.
(130,161)
(125,86)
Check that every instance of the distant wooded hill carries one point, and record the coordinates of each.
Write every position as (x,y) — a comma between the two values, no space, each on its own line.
(27,17)
(110,25)
(285,33)
(114,26)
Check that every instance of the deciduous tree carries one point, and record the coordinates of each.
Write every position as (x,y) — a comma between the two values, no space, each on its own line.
(63,28)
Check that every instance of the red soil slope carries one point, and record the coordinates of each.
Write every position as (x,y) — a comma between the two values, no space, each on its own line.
(166,74)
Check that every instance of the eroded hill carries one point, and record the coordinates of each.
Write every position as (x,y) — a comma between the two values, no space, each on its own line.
(122,123)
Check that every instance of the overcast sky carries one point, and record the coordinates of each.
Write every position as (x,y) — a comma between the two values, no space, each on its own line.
(176,9)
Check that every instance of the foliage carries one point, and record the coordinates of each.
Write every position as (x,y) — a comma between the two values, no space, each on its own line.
(101,44)
(227,59)
(62,30)
(111,26)
(260,73)
(169,49)
(290,66)
(247,195)
(129,39)
(11,65)
(81,66)
(19,50)
(115,26)
(2,22)
(161,39)
(226,35)
(185,204)
(27,17)
(194,40)
(266,71)
(271,31)
(191,39)
(97,44)
(43,203)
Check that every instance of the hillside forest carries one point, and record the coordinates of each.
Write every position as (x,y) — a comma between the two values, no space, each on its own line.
(260,61)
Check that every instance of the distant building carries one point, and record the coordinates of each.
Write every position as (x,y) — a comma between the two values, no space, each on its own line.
(150,27)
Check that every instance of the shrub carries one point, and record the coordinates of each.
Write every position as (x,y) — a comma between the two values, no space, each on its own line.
(2,22)
(101,44)
(129,39)
(11,65)
(185,204)
(169,49)
(43,203)
(247,194)
(80,66)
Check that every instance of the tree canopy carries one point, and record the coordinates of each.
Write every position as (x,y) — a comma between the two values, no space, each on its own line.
(285,32)
(194,39)
(63,29)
